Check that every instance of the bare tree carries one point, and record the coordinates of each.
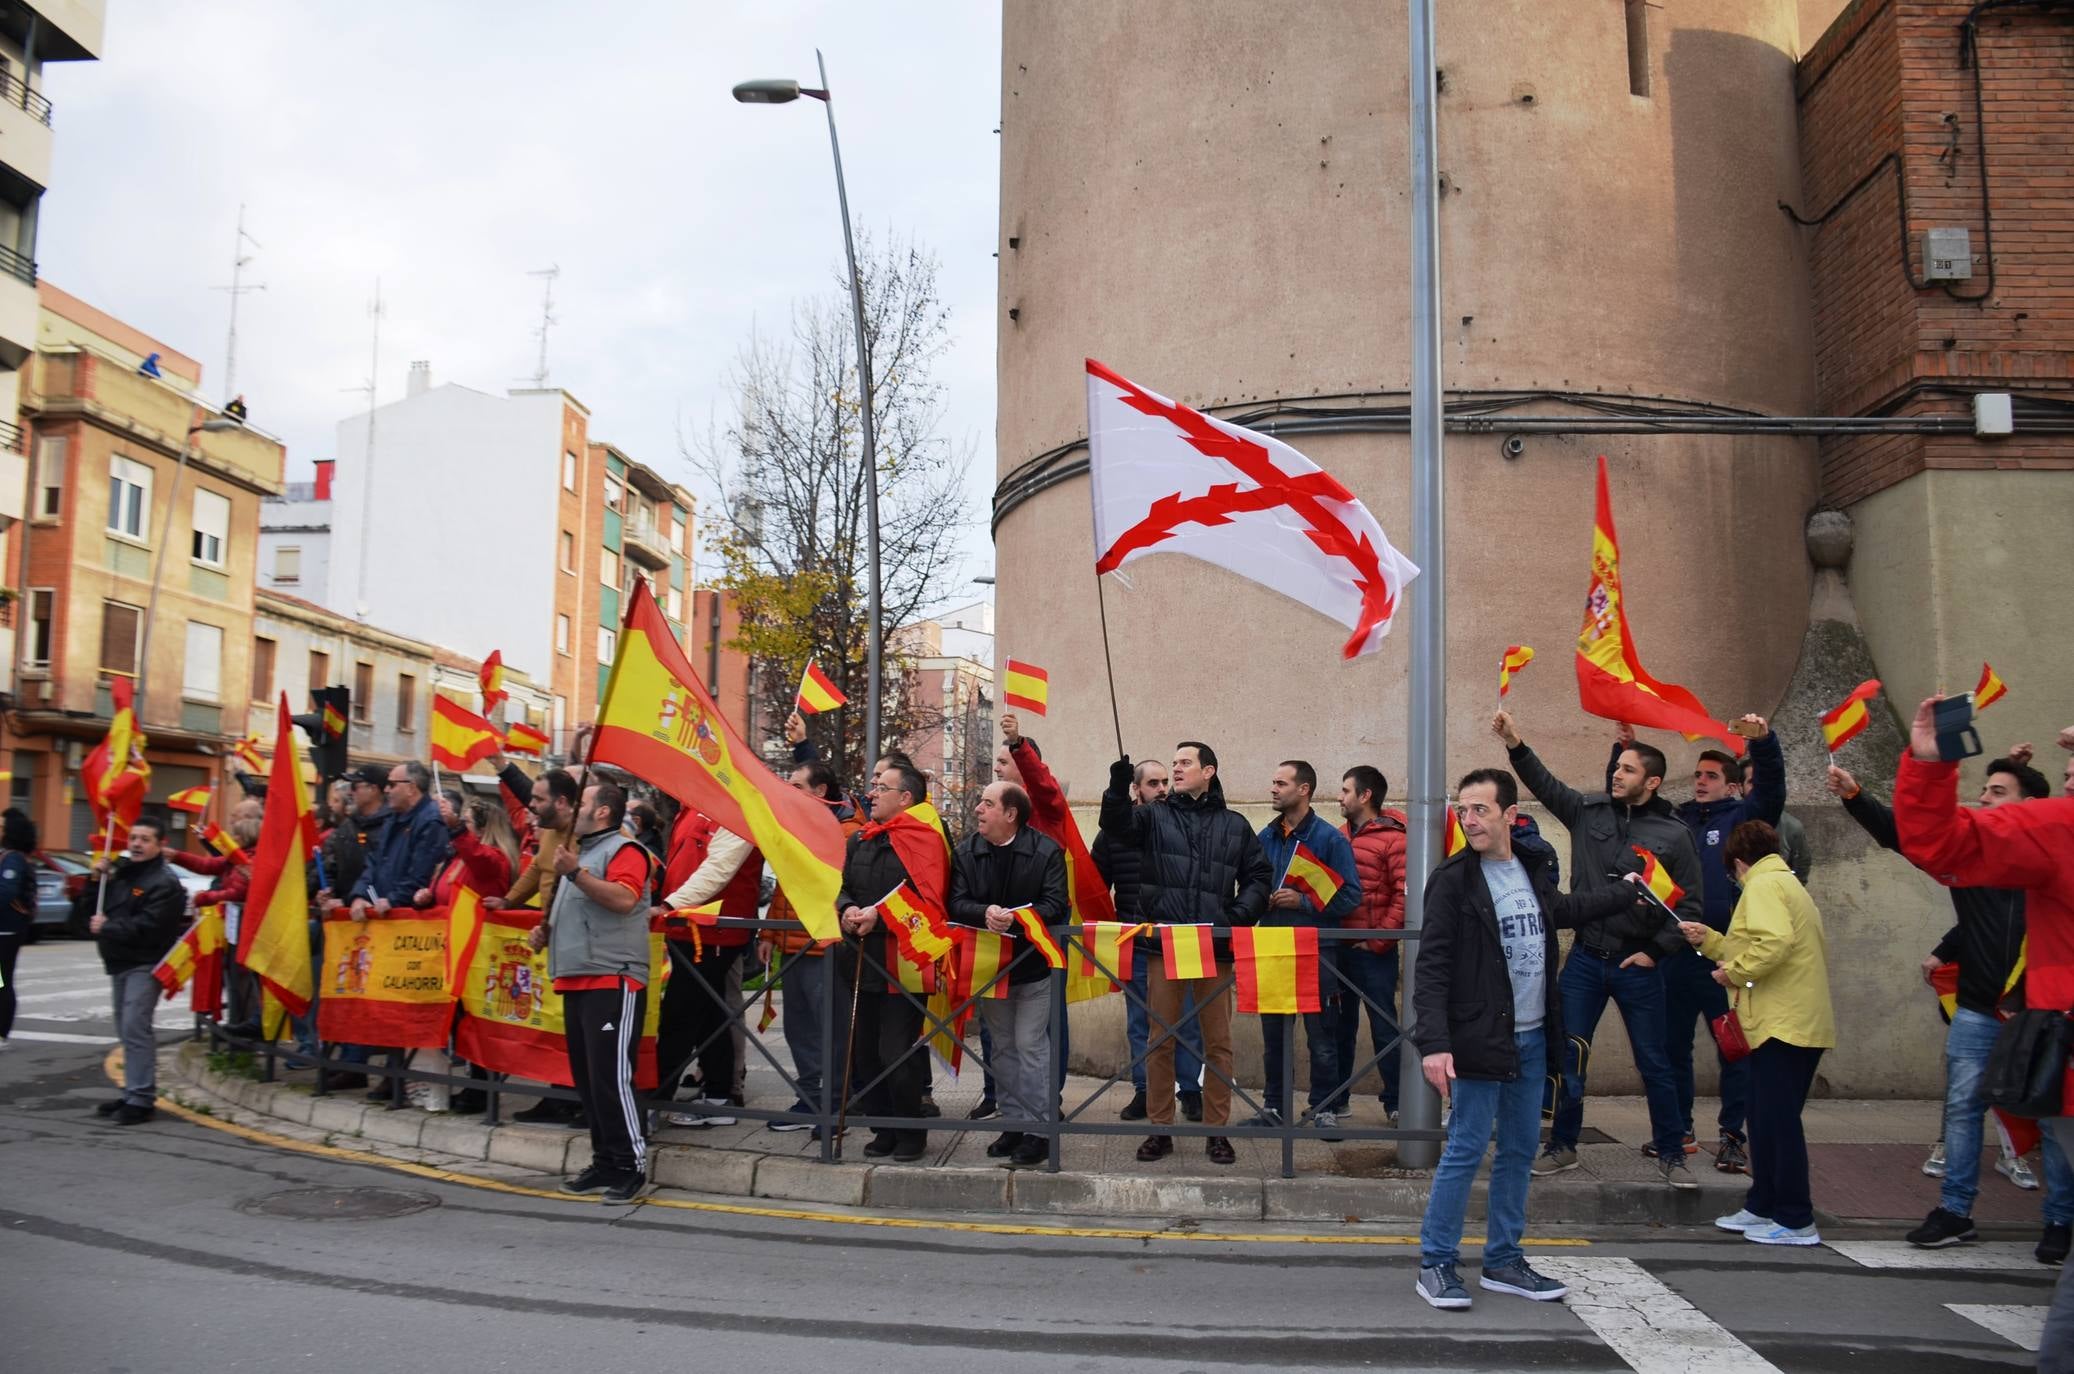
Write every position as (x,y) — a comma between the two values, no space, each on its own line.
(790,470)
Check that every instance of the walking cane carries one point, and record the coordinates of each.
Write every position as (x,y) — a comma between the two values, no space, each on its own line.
(842,1109)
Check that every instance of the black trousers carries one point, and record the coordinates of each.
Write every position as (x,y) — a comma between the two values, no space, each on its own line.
(1780,1076)
(695,1012)
(888,1025)
(603,1029)
(10,946)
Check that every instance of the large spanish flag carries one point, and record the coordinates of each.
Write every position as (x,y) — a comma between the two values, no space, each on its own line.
(116,773)
(197,960)
(817,692)
(274,939)
(1187,952)
(461,738)
(1850,717)
(1277,968)
(659,724)
(385,981)
(1611,681)
(511,1017)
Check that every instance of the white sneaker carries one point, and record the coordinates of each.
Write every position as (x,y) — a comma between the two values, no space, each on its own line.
(2014,1169)
(1771,1233)
(1742,1221)
(1934,1165)
(705,1113)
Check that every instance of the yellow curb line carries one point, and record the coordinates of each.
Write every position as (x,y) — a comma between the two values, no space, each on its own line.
(986,1228)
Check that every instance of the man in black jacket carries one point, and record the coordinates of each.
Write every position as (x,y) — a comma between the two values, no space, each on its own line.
(1488,1024)
(142,915)
(1198,863)
(1987,944)
(1003,865)
(1618,959)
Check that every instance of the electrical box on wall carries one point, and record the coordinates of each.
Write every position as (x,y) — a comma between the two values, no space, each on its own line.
(1993,413)
(1947,254)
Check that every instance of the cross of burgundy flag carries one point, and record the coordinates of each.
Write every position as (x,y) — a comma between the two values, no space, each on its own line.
(1168,479)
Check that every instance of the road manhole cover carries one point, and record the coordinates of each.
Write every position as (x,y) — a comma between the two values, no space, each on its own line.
(338,1204)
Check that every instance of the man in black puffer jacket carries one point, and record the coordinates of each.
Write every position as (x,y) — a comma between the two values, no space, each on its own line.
(140,918)
(1489,1029)
(1198,863)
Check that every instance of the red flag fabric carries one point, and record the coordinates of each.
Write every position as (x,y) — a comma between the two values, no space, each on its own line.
(461,738)
(493,681)
(115,772)
(273,935)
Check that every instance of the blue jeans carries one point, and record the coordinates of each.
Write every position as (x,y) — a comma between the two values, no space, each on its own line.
(1374,978)
(1966,1048)
(1586,982)
(1691,993)
(1188,1049)
(1481,1107)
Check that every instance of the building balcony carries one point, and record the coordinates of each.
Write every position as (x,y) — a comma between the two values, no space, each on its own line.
(18,309)
(25,137)
(645,544)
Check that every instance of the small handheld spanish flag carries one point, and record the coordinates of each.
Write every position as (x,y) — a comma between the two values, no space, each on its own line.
(193,800)
(461,738)
(816,692)
(983,955)
(1025,686)
(1187,951)
(1033,929)
(1658,880)
(493,681)
(1453,840)
(1849,719)
(219,839)
(1991,689)
(521,738)
(246,752)
(920,932)
(1510,662)
(1312,876)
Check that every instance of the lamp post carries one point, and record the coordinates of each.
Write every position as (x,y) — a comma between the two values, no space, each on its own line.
(158,566)
(782,93)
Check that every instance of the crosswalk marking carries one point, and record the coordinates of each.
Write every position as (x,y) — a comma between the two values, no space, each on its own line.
(61,1038)
(2022,1326)
(1899,1254)
(1648,1325)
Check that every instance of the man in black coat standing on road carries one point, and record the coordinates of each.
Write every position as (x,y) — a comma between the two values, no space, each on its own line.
(140,918)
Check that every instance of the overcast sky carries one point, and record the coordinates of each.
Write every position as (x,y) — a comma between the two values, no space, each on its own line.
(450,147)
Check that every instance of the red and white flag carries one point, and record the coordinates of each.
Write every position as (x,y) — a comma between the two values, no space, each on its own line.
(1167,479)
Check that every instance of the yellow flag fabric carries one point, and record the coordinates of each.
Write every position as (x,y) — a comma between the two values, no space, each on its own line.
(274,939)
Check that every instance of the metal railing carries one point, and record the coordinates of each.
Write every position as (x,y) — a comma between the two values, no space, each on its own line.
(22,269)
(11,437)
(833,1117)
(17,92)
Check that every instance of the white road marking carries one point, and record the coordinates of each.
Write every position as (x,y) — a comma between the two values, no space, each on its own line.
(1899,1254)
(103,993)
(1648,1325)
(2022,1326)
(61,1038)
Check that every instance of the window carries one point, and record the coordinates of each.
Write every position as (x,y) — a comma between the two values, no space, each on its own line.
(568,552)
(1638,47)
(42,606)
(406,702)
(677,532)
(288,565)
(129,498)
(568,472)
(263,668)
(363,693)
(676,604)
(320,669)
(202,677)
(562,634)
(120,625)
(608,568)
(608,643)
(615,494)
(211,527)
(561,712)
(50,478)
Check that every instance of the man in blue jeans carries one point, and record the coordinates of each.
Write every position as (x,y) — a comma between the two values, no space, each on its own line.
(1487,1020)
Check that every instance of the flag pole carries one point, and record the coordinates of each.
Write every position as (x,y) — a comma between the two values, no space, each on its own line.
(1102,605)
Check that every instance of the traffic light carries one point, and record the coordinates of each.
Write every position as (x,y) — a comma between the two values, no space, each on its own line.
(325,724)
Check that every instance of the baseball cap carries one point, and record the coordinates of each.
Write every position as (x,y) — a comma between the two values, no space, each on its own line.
(374,775)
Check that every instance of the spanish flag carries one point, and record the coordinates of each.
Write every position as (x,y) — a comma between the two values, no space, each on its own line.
(1452,840)
(521,738)
(817,693)
(1277,968)
(198,959)
(460,738)
(659,724)
(1658,880)
(1991,689)
(1187,952)
(1106,950)
(1510,662)
(982,955)
(219,839)
(274,942)
(1845,723)
(334,722)
(463,933)
(115,773)
(1033,929)
(919,928)
(1025,686)
(246,752)
(193,800)
(492,678)
(1312,876)
(1611,681)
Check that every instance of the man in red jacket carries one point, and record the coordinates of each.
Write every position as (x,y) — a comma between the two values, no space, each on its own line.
(2029,847)
(704,863)
(1371,965)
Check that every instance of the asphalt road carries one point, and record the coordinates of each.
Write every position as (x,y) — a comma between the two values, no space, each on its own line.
(164,1247)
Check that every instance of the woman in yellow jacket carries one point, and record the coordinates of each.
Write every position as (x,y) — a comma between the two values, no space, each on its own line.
(1774,960)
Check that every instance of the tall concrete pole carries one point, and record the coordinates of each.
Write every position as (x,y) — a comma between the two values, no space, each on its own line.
(1427,736)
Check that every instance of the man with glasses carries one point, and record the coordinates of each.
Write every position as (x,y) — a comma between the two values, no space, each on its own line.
(1616,959)
(407,856)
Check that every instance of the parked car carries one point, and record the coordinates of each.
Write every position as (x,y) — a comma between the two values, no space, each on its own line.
(61,875)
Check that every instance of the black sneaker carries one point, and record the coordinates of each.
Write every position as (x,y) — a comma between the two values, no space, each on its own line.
(469,1103)
(987,1110)
(110,1107)
(129,1115)
(548,1112)
(1942,1228)
(882,1143)
(929,1107)
(2052,1246)
(1004,1144)
(1192,1106)
(1032,1153)
(911,1146)
(595,1178)
(1134,1110)
(627,1186)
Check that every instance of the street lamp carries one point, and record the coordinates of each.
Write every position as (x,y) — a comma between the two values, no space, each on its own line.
(784,93)
(158,567)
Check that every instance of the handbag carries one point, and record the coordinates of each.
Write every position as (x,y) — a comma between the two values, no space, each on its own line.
(1728,1032)
(2027,1068)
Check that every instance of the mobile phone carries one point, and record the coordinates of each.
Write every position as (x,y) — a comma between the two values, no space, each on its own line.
(1748,729)
(1956,737)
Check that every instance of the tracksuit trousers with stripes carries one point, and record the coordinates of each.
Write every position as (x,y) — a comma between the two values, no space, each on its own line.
(603,1026)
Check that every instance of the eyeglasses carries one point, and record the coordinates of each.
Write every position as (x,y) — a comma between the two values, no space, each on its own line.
(394,782)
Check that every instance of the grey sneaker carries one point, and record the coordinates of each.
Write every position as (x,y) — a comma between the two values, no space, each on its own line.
(2017,1172)
(1676,1174)
(1934,1165)
(1741,1220)
(1440,1287)
(1516,1277)
(1266,1116)
(1554,1159)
